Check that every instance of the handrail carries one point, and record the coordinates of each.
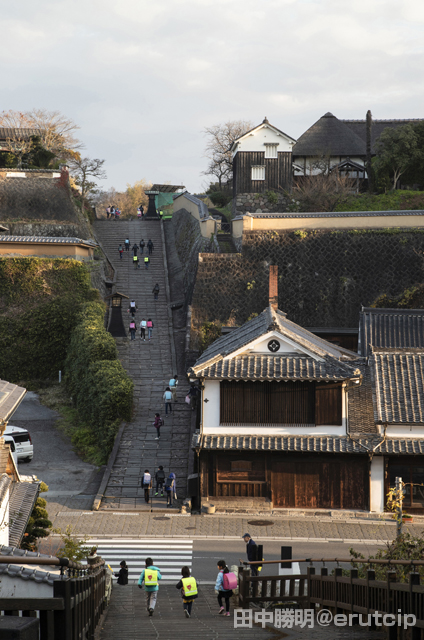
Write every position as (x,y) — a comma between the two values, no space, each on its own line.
(348,560)
(55,562)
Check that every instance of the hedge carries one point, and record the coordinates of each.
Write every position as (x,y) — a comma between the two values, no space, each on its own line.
(100,387)
(40,299)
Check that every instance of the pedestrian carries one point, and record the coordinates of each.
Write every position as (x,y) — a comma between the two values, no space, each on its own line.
(160,478)
(188,587)
(150,576)
(122,575)
(132,309)
(167,396)
(142,245)
(139,214)
(108,212)
(158,423)
(112,212)
(121,251)
(135,262)
(219,588)
(161,214)
(135,249)
(193,394)
(150,246)
(141,210)
(155,291)
(170,489)
(251,550)
(146,483)
(117,213)
(173,383)
(143,325)
(132,329)
(127,244)
(146,261)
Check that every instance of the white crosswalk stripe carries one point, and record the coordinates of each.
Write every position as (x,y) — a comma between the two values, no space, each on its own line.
(168,555)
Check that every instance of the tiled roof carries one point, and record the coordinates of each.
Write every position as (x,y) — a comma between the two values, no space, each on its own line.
(17,571)
(47,240)
(310,444)
(259,367)
(327,364)
(5,483)
(399,386)
(203,209)
(10,398)
(22,501)
(11,132)
(390,328)
(360,399)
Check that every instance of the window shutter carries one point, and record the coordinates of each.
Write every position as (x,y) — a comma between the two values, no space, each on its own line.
(271,150)
(328,404)
(257,172)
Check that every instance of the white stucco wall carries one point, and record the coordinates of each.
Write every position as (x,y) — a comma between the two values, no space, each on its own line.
(334,161)
(402,431)
(211,416)
(377,500)
(11,587)
(4,521)
(255,141)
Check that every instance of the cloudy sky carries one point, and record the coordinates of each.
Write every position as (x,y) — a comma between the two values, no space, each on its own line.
(143,78)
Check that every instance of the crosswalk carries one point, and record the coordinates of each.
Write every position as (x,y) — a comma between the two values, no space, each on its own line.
(168,554)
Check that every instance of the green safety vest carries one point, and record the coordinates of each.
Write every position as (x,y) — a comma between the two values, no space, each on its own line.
(189,587)
(146,259)
(150,577)
(161,213)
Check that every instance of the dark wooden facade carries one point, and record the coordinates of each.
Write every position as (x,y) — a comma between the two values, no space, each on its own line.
(298,403)
(411,470)
(289,480)
(278,172)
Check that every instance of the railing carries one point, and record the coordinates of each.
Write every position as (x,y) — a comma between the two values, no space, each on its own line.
(77,603)
(338,593)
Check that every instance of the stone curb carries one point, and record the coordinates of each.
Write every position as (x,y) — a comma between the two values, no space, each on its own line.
(98,499)
(168,296)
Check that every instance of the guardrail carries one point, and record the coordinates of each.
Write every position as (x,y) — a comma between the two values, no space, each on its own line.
(77,603)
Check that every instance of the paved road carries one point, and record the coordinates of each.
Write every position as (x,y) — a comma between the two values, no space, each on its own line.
(150,365)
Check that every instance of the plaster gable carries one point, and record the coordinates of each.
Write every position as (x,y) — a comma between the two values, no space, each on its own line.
(260,346)
(255,140)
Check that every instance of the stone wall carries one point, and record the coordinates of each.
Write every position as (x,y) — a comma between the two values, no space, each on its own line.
(258,203)
(44,229)
(324,276)
(188,244)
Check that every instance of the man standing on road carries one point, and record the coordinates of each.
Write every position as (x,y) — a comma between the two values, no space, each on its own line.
(150,576)
(251,550)
(150,246)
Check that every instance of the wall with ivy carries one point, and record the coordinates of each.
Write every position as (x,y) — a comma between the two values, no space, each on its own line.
(324,276)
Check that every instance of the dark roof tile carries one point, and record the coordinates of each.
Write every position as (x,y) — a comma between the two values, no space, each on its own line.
(390,328)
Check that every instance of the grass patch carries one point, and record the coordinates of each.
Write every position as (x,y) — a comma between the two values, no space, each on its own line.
(85,443)
(226,212)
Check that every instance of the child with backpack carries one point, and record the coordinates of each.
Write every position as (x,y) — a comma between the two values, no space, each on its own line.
(158,423)
(170,489)
(150,576)
(122,575)
(147,481)
(225,583)
(188,587)
(160,479)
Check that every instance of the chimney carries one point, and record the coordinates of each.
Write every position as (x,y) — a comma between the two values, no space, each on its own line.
(273,286)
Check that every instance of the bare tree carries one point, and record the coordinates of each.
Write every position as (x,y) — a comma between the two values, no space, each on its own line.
(83,170)
(322,192)
(19,132)
(220,139)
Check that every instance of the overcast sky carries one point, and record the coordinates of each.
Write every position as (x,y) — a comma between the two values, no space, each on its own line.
(143,78)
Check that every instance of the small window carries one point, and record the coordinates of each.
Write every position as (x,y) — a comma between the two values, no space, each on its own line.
(241,465)
(271,150)
(258,172)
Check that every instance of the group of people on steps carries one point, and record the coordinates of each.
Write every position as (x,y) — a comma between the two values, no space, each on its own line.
(226,581)
(163,483)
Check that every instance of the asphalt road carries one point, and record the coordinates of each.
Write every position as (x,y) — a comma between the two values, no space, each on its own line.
(54,460)
(206,554)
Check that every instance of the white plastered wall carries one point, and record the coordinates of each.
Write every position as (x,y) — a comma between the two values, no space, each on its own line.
(211,419)
(255,141)
(377,484)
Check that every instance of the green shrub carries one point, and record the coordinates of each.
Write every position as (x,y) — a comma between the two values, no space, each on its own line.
(220,198)
(100,387)
(390,201)
(272,197)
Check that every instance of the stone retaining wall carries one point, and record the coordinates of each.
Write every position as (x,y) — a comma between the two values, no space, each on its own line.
(258,203)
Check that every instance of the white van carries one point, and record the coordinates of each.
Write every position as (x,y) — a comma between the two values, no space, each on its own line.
(10,441)
(23,442)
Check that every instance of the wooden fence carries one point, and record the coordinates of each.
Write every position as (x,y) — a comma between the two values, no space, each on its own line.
(341,594)
(76,606)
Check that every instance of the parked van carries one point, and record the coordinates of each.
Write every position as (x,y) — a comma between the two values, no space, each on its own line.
(23,442)
(10,441)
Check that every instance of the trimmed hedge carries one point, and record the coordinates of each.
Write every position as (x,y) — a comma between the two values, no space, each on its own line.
(100,387)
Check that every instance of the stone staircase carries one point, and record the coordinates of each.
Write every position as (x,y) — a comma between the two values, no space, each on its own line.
(150,365)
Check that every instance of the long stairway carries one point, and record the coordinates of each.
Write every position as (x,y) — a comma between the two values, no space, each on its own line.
(150,364)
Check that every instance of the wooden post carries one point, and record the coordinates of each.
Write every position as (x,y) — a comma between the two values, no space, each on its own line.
(63,619)
(310,572)
(353,576)
(370,578)
(337,574)
(392,631)
(414,580)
